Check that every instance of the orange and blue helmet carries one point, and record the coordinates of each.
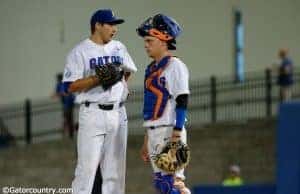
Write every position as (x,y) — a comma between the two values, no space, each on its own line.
(162,27)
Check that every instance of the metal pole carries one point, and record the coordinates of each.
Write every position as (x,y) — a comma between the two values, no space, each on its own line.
(213,99)
(268,93)
(27,111)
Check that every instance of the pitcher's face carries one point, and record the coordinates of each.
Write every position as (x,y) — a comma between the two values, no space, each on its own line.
(106,31)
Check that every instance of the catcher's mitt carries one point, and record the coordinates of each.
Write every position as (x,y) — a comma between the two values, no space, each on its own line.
(174,156)
(109,74)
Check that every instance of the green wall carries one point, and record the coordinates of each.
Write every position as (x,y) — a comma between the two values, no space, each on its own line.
(36,35)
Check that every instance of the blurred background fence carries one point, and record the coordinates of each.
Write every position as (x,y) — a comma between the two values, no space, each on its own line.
(212,100)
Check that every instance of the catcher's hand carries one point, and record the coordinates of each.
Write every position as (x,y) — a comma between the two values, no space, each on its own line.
(144,153)
(108,74)
(174,156)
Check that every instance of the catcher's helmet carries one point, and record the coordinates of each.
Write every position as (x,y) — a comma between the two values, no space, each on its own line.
(162,27)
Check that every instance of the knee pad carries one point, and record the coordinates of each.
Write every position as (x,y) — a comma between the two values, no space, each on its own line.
(164,184)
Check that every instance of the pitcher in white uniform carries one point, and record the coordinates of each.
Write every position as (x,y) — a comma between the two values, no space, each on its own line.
(100,138)
(166,91)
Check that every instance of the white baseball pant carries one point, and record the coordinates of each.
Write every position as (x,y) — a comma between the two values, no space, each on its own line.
(157,139)
(102,138)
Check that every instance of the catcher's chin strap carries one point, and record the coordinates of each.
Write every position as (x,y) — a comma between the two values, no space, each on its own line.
(164,184)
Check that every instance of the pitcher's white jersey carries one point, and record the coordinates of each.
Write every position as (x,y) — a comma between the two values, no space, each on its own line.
(176,80)
(81,62)
(102,133)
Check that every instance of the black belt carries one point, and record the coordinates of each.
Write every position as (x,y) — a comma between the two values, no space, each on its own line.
(104,106)
(159,126)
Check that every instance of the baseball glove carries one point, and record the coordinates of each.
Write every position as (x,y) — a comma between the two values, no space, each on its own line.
(109,74)
(173,157)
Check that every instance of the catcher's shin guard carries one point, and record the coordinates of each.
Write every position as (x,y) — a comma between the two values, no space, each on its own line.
(164,184)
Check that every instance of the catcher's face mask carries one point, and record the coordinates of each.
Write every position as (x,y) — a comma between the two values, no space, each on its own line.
(160,26)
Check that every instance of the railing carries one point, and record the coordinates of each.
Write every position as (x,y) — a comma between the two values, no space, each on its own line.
(212,100)
(222,99)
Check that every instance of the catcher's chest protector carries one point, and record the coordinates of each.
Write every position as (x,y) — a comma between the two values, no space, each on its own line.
(156,94)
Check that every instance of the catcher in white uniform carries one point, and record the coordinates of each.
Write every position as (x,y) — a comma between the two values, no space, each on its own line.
(166,91)
(95,71)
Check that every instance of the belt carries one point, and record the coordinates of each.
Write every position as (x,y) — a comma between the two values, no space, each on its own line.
(159,126)
(105,106)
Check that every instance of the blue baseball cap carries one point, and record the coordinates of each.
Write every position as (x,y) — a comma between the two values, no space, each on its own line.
(105,16)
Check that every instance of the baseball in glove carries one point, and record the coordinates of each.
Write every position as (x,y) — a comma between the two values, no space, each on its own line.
(108,74)
(173,157)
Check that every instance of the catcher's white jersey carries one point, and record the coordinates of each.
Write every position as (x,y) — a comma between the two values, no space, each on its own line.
(176,78)
(81,62)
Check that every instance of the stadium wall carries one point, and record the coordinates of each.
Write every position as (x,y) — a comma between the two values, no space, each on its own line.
(37,34)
